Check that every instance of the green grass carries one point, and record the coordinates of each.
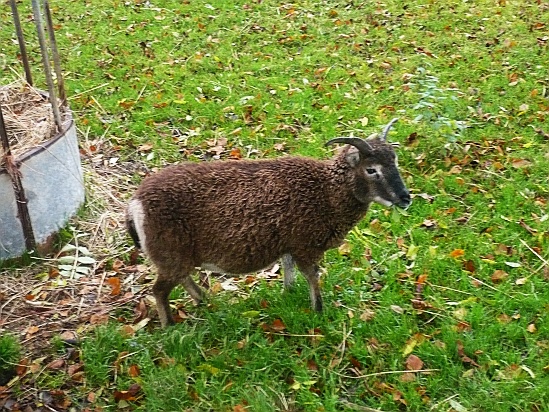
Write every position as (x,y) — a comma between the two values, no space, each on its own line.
(469,83)
(10,353)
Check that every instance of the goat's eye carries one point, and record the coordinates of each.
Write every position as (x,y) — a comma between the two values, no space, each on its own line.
(371,171)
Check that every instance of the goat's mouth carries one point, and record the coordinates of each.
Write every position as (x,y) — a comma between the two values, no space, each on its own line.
(404,201)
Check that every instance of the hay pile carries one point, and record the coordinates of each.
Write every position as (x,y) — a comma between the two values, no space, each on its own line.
(28,117)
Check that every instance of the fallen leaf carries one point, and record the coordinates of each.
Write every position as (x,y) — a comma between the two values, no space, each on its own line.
(463,326)
(460,313)
(127,331)
(344,249)
(469,266)
(499,276)
(464,358)
(355,362)
(144,148)
(57,364)
(235,153)
(504,318)
(367,315)
(128,395)
(140,311)
(456,253)
(531,328)
(99,318)
(75,368)
(31,330)
(312,365)
(521,281)
(397,309)
(92,397)
(407,377)
(278,325)
(457,407)
(133,371)
(250,314)
(229,285)
(520,163)
(429,223)
(529,229)
(114,283)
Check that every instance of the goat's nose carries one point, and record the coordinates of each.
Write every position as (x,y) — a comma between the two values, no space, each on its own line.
(405,200)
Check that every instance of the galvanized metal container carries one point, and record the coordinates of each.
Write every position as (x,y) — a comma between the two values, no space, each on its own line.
(53,184)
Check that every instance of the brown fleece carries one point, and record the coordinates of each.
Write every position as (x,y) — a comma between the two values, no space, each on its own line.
(243,215)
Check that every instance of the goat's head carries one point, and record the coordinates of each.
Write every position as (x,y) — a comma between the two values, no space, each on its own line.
(376,168)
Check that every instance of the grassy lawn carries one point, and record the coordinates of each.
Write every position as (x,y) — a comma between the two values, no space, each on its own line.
(443,307)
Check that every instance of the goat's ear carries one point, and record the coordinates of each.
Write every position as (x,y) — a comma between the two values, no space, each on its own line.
(352,157)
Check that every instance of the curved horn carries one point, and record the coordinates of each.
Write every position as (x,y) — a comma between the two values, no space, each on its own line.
(357,142)
(386,129)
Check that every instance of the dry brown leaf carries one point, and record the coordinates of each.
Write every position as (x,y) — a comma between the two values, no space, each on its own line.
(463,326)
(239,408)
(235,153)
(414,363)
(367,315)
(504,318)
(520,163)
(114,283)
(407,377)
(312,365)
(129,395)
(469,266)
(278,325)
(56,364)
(499,276)
(464,358)
(75,368)
(99,318)
(133,371)
(429,223)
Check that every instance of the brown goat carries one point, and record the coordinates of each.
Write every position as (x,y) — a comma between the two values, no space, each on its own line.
(241,216)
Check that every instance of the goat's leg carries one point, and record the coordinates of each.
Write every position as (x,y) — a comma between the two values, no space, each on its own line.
(288,268)
(311,274)
(192,288)
(161,291)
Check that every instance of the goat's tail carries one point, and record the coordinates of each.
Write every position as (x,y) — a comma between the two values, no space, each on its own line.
(130,225)
(134,212)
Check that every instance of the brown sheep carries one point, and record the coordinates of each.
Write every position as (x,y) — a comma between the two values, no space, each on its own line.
(239,217)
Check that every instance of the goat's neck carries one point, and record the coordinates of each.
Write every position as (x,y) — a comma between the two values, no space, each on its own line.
(347,208)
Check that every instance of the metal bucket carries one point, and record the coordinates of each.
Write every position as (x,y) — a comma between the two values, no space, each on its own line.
(53,184)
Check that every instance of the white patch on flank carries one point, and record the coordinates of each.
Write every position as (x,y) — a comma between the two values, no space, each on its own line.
(213,268)
(137,214)
(382,201)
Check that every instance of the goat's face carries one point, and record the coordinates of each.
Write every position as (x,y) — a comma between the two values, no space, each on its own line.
(375,165)
(377,176)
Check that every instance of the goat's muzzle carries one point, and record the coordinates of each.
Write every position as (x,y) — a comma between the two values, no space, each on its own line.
(405,200)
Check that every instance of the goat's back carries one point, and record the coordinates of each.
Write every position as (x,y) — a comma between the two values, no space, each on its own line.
(239,216)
